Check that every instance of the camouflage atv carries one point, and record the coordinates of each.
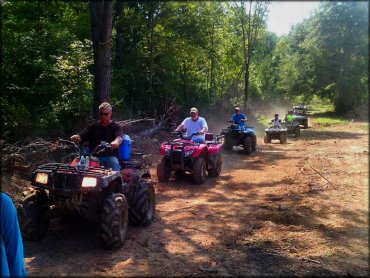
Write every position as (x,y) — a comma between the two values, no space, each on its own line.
(292,127)
(300,114)
(108,198)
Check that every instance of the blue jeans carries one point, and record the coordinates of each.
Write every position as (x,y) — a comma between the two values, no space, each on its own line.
(110,162)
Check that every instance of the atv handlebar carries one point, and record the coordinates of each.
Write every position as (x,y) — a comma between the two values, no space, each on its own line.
(183,136)
(71,143)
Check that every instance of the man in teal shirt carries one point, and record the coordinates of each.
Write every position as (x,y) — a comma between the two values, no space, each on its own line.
(12,259)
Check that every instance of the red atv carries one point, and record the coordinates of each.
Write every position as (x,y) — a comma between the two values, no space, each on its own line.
(184,155)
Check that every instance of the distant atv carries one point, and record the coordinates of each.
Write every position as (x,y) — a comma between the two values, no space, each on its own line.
(292,127)
(235,135)
(300,114)
(184,155)
(108,198)
(277,132)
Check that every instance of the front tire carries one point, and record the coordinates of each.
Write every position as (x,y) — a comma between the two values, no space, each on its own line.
(163,170)
(254,143)
(114,220)
(32,215)
(227,146)
(199,170)
(142,212)
(215,171)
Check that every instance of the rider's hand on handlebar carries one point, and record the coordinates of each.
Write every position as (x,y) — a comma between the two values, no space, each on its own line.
(114,144)
(201,132)
(76,138)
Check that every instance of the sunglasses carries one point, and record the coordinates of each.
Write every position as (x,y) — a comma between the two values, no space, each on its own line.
(104,114)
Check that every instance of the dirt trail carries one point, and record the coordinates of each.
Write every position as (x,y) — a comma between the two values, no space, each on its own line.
(294,209)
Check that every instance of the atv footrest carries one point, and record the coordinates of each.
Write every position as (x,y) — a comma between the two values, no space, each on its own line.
(132,164)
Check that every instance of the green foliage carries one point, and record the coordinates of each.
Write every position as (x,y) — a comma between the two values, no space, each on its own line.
(263,120)
(328,55)
(190,51)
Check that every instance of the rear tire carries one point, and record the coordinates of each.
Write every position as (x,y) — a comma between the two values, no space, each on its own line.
(143,210)
(32,215)
(114,220)
(283,138)
(305,124)
(163,170)
(248,145)
(267,139)
(297,131)
(199,170)
(215,171)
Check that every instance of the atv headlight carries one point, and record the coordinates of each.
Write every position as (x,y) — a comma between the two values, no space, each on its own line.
(42,178)
(88,182)
(167,151)
(188,153)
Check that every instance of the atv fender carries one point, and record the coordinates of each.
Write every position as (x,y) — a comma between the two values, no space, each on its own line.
(202,148)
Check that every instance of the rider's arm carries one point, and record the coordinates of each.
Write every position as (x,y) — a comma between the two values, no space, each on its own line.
(117,142)
(82,136)
(204,126)
(76,138)
(180,127)
(12,256)
(118,133)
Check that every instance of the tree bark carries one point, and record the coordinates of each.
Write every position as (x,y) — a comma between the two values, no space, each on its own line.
(249,38)
(101,27)
(119,32)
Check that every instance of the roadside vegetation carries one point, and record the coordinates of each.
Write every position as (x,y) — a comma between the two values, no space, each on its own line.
(191,53)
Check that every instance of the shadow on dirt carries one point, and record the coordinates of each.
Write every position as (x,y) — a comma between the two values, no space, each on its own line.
(219,230)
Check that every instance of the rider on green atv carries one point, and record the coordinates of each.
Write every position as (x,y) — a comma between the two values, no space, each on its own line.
(289,118)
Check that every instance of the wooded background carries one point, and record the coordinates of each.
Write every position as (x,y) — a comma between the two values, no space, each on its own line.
(203,54)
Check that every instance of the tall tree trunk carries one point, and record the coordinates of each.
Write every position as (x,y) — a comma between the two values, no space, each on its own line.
(249,39)
(119,32)
(213,54)
(151,17)
(101,27)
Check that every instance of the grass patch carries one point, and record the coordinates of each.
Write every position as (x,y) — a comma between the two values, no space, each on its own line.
(263,120)
(321,109)
(324,121)
(330,254)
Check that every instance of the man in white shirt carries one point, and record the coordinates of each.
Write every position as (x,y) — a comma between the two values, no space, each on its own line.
(194,124)
(276,121)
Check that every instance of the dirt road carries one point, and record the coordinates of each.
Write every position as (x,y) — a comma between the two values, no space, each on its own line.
(294,209)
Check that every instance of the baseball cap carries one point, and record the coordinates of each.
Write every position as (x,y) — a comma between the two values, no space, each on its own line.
(237,108)
(194,110)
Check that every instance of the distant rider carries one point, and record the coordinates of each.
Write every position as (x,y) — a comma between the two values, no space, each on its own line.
(194,124)
(239,118)
(289,117)
(276,121)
